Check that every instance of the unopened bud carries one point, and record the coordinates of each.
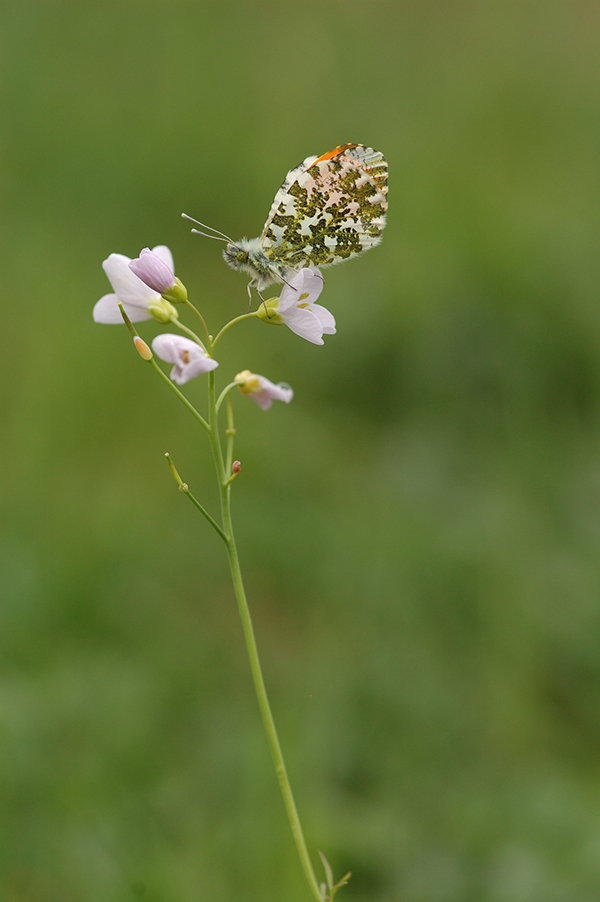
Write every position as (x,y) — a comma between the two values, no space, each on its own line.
(142,348)
(182,486)
(236,467)
(162,310)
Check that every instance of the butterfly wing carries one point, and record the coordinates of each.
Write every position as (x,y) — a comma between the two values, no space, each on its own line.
(328,209)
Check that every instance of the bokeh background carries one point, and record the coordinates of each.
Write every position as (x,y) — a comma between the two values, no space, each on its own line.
(419,529)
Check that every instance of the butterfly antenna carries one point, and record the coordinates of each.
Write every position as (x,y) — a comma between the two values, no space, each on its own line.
(219,236)
(206,235)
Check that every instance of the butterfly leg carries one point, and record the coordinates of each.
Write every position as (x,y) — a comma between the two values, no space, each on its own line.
(263,302)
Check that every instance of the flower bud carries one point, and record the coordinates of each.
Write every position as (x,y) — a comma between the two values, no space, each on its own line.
(142,348)
(158,275)
(162,310)
(153,271)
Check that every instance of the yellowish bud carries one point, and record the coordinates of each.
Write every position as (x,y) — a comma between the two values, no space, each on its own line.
(142,348)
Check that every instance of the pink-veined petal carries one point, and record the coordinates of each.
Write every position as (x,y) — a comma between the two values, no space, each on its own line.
(152,271)
(126,285)
(305,324)
(162,251)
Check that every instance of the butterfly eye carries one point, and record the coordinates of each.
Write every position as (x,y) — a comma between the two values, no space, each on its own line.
(241,257)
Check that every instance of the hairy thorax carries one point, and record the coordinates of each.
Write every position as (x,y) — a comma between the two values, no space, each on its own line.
(248,256)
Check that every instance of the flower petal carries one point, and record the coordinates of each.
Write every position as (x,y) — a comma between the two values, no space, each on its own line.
(270,392)
(127,286)
(307,281)
(169,346)
(326,318)
(162,251)
(189,358)
(262,398)
(261,390)
(305,323)
(152,271)
(183,373)
(106,310)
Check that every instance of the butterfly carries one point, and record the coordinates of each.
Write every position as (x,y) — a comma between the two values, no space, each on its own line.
(328,209)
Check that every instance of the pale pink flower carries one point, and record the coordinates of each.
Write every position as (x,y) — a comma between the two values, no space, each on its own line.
(298,310)
(135,296)
(189,358)
(262,390)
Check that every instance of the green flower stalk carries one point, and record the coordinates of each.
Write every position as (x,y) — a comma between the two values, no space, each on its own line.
(191,358)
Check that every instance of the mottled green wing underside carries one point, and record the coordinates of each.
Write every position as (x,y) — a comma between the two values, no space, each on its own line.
(328,209)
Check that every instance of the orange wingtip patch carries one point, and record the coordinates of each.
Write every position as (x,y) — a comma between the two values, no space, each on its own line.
(334,153)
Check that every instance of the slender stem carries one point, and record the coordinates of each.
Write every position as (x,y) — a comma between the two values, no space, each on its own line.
(252,649)
(187,331)
(205,513)
(230,435)
(215,442)
(225,391)
(265,708)
(238,319)
(200,317)
(181,397)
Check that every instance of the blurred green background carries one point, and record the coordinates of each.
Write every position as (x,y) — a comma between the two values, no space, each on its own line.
(419,529)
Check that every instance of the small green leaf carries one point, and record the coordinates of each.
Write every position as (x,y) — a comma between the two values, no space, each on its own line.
(343,881)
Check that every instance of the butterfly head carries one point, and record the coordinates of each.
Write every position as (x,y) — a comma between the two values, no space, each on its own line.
(247,255)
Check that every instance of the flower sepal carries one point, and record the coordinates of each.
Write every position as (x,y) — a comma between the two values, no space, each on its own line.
(267,311)
(177,294)
(162,310)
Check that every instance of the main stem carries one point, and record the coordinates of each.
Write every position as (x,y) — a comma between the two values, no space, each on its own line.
(259,683)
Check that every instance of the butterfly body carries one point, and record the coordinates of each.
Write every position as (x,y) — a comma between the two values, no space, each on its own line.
(328,209)
(248,255)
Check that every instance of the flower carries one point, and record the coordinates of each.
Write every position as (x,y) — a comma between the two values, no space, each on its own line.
(139,301)
(297,309)
(189,358)
(153,269)
(261,390)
